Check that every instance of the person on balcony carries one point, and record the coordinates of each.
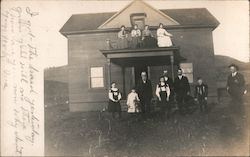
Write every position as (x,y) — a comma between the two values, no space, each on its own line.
(135,37)
(122,38)
(147,38)
(163,37)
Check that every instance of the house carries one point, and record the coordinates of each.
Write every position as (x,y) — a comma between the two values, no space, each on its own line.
(95,61)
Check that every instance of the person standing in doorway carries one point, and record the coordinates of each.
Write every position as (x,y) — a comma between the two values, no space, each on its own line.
(144,89)
(182,90)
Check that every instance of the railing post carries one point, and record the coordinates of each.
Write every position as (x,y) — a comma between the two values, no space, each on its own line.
(109,72)
(172,65)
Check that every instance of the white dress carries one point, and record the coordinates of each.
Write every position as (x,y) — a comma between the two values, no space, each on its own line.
(131,102)
(163,38)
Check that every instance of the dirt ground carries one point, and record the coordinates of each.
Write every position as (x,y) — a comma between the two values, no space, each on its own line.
(221,132)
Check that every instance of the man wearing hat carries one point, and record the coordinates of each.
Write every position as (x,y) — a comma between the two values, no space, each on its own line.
(236,85)
(144,90)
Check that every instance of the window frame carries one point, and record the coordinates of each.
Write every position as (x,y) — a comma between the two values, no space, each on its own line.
(188,73)
(90,78)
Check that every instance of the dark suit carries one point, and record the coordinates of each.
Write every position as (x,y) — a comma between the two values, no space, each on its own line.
(200,92)
(170,83)
(236,87)
(181,88)
(144,91)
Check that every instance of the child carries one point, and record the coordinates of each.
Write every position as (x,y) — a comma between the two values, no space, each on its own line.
(201,92)
(163,93)
(133,102)
(114,100)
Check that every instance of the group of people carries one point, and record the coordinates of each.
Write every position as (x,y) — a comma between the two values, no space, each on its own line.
(139,99)
(143,38)
(167,91)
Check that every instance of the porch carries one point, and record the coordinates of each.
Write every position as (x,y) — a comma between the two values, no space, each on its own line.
(134,61)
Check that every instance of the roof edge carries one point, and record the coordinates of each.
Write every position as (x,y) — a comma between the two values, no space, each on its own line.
(152,27)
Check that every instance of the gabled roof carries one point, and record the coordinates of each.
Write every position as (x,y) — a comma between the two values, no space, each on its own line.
(194,17)
(137,6)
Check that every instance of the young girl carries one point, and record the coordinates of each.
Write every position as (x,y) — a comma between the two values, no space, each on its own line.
(133,102)
(114,100)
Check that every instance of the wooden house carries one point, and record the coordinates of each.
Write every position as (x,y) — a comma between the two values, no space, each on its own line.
(94,60)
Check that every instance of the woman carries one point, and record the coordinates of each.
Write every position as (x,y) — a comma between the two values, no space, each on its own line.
(114,100)
(163,37)
(122,38)
(147,38)
(163,93)
(135,37)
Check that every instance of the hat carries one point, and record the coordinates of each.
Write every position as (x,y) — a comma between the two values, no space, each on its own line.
(233,65)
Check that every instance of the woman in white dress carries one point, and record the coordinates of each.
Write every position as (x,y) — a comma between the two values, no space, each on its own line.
(163,37)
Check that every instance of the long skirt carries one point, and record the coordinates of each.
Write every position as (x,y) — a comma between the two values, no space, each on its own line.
(114,106)
(164,41)
(135,42)
(149,42)
(122,43)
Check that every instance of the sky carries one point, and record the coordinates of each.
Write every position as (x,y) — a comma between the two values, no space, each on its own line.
(231,37)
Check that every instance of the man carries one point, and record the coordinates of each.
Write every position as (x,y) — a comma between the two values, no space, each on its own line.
(236,85)
(144,90)
(200,94)
(182,90)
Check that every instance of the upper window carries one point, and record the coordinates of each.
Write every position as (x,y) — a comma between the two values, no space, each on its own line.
(139,19)
(187,69)
(96,77)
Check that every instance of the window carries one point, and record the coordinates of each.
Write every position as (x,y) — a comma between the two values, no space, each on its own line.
(96,77)
(139,19)
(187,69)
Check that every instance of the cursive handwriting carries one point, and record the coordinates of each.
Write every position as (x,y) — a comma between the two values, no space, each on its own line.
(20,79)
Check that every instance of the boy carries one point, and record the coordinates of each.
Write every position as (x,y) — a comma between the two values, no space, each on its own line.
(201,92)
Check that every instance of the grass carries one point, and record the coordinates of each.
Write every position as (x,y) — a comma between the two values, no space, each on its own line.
(222,131)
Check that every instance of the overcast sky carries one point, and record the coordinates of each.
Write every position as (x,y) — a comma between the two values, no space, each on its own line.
(231,38)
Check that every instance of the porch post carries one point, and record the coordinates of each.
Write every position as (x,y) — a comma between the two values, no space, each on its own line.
(172,65)
(109,72)
(123,81)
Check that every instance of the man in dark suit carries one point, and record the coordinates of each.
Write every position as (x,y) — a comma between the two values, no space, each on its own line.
(236,85)
(182,90)
(144,90)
